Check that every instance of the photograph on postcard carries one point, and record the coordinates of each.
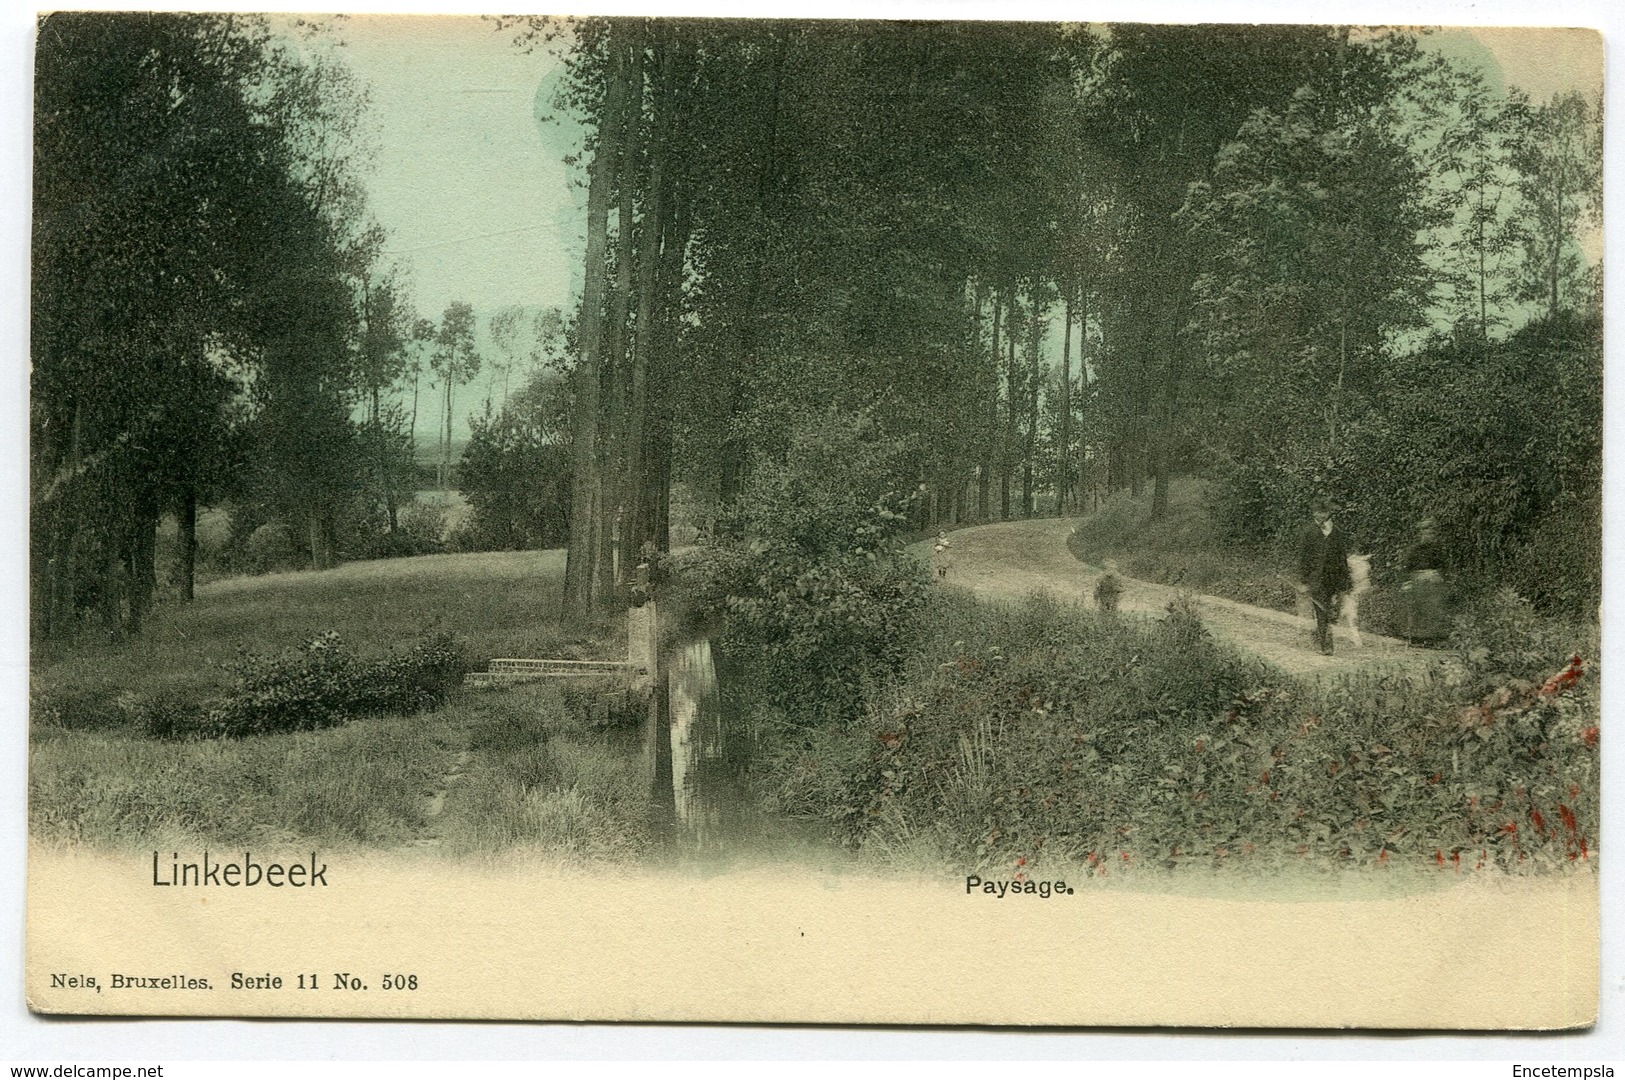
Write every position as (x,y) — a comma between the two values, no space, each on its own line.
(815,521)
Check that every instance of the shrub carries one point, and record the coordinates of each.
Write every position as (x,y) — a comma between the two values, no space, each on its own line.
(322,684)
(810,575)
(270,547)
(302,690)
(1501,637)
(419,530)
(418,678)
(1500,443)
(1043,732)
(1184,548)
(515,473)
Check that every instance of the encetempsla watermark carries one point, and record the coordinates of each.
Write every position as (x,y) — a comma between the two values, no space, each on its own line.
(1548,1072)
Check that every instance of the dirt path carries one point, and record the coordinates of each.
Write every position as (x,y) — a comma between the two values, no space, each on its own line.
(1017,558)
(435,801)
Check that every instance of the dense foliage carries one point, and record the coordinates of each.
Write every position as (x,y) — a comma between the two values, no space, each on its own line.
(1045,733)
(515,473)
(1499,442)
(1265,244)
(809,575)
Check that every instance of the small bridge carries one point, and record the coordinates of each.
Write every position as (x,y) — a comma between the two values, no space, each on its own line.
(639,667)
(512,670)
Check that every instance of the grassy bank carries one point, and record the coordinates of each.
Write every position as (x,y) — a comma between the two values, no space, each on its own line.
(1184,548)
(545,773)
(483,772)
(1035,733)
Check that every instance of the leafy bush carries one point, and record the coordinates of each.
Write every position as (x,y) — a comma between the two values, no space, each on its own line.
(297,691)
(318,685)
(1500,637)
(1500,443)
(515,473)
(419,530)
(418,678)
(1185,548)
(270,547)
(809,574)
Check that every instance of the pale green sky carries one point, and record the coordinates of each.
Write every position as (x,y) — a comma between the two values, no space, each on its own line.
(473,191)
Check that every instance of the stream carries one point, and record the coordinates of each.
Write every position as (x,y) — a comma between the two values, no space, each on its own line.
(699,748)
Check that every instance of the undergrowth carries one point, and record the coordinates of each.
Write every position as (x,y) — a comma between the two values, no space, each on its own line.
(1039,732)
(359,784)
(552,773)
(1185,548)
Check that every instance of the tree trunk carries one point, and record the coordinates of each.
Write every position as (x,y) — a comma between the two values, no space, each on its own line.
(616,373)
(984,474)
(1063,472)
(313,536)
(578,564)
(113,591)
(670,276)
(1159,482)
(450,393)
(64,606)
(735,451)
(1029,465)
(1085,483)
(412,427)
(143,567)
(655,224)
(1483,278)
(1007,464)
(1559,236)
(186,518)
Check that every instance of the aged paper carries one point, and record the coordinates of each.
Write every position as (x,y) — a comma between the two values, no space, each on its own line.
(326,723)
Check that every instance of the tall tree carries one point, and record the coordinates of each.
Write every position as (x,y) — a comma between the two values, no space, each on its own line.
(455,360)
(586,510)
(1558,156)
(170,160)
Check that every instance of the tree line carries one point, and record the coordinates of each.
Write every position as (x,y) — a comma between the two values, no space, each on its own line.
(1243,237)
(214,314)
(1255,247)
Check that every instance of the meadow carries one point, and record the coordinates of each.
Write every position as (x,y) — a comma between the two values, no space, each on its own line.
(484,772)
(1009,737)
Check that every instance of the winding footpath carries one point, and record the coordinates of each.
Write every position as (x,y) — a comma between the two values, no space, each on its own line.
(1014,559)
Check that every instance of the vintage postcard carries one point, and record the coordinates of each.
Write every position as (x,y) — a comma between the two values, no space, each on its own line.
(1001,523)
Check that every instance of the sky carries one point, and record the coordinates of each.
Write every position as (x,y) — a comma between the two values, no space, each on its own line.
(472,189)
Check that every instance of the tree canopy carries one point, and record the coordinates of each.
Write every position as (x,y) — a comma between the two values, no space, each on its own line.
(1252,230)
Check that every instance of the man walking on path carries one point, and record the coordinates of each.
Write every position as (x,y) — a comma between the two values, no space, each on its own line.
(1323,570)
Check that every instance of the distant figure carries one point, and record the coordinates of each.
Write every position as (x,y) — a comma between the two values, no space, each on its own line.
(1323,570)
(941,559)
(1425,597)
(1108,589)
(1360,573)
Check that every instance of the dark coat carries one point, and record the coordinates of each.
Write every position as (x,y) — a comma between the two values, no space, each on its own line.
(1323,560)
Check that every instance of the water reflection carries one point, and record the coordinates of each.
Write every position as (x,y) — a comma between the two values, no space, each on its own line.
(708,750)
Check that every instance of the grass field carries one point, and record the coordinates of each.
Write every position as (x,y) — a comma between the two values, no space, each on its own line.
(524,766)
(499,603)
